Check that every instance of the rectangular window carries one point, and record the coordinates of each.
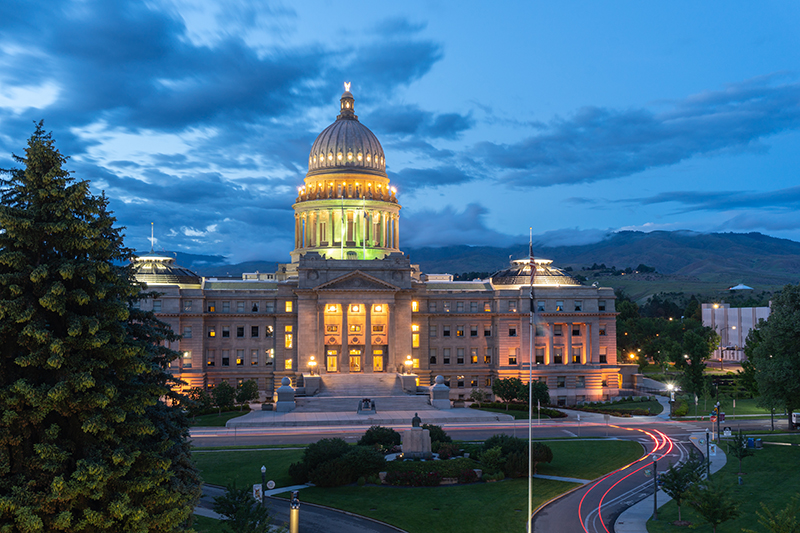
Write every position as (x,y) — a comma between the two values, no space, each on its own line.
(579,305)
(576,354)
(460,382)
(239,332)
(269,330)
(414,306)
(239,357)
(603,355)
(187,332)
(415,363)
(332,328)
(432,330)
(487,358)
(415,340)
(473,382)
(487,331)
(211,331)
(460,307)
(226,358)
(460,356)
(602,330)
(270,307)
(446,307)
(539,330)
(254,331)
(445,331)
(378,328)
(187,306)
(226,332)
(288,338)
(561,381)
(447,380)
(269,356)
(253,357)
(431,307)
(487,383)
(558,355)
(239,306)
(187,359)
(559,305)
(580,382)
(288,306)
(540,306)
(432,356)
(355,328)
(487,307)
(473,307)
(211,358)
(254,307)
(446,356)
(512,331)
(512,356)
(512,306)
(226,307)
(287,364)
(473,356)
(473,331)
(212,307)
(156,306)
(459,331)
(601,305)
(557,330)
(539,356)
(576,330)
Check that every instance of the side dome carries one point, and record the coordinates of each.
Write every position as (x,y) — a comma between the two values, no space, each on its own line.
(519,274)
(347,145)
(153,269)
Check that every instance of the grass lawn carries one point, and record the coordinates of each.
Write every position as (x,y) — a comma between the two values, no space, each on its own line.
(215,419)
(744,406)
(518,415)
(244,468)
(653,405)
(771,477)
(203,524)
(479,508)
(570,457)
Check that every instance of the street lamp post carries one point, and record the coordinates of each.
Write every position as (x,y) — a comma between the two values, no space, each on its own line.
(312,365)
(408,362)
(655,488)
(263,485)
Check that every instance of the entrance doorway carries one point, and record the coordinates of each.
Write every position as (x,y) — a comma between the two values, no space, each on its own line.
(377,360)
(355,360)
(332,360)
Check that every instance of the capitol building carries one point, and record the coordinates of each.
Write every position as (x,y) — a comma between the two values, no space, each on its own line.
(350,301)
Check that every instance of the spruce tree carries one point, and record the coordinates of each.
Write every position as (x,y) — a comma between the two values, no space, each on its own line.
(89,440)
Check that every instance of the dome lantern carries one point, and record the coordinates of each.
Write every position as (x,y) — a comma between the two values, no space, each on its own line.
(347,104)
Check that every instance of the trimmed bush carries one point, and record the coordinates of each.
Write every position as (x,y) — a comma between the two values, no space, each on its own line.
(450,468)
(516,464)
(384,437)
(414,479)
(507,443)
(322,451)
(334,473)
(492,459)
(467,476)
(448,450)
(363,461)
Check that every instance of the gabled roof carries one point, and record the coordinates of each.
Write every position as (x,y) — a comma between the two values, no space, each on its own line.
(356,281)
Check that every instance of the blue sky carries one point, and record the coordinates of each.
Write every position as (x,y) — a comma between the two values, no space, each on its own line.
(576,118)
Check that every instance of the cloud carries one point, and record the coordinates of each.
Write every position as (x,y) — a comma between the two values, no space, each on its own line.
(417,178)
(788,198)
(598,143)
(570,237)
(410,120)
(451,227)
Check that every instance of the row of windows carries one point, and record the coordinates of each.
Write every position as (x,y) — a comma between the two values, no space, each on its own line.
(558,355)
(474,356)
(474,330)
(463,381)
(511,306)
(225,331)
(241,307)
(241,357)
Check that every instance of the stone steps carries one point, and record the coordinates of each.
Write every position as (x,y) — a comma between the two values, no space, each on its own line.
(360,385)
(346,404)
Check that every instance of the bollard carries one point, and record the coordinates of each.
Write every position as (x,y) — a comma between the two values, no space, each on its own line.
(294,513)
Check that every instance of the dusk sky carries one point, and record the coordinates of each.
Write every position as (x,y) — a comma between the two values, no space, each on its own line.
(576,118)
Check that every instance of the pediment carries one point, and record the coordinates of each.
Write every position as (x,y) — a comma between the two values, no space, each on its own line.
(357,281)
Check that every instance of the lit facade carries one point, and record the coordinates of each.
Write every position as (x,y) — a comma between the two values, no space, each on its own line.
(351,302)
(733,325)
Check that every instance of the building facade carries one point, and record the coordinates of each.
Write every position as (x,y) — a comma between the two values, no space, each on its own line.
(733,325)
(351,302)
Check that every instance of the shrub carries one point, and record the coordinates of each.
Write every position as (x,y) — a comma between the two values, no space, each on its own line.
(507,443)
(361,481)
(516,464)
(467,476)
(498,476)
(322,451)
(298,473)
(448,450)
(682,409)
(449,468)
(492,459)
(414,479)
(333,473)
(437,433)
(363,461)
(384,437)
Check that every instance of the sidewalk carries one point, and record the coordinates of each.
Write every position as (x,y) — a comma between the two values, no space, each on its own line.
(634,519)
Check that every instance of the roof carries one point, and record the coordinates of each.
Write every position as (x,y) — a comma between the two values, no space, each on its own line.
(154,269)
(519,273)
(238,285)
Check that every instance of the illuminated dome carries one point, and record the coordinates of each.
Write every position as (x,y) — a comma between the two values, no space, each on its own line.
(153,269)
(519,274)
(347,145)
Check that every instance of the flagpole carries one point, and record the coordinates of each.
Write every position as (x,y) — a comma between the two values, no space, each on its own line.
(344,221)
(531,333)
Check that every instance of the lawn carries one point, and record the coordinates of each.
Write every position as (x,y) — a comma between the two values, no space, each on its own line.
(654,406)
(215,419)
(204,524)
(571,458)
(244,468)
(744,406)
(761,484)
(518,415)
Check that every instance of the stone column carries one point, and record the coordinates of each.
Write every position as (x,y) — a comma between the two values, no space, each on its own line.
(391,345)
(345,355)
(322,353)
(368,339)
(594,358)
(548,356)
(585,349)
(569,343)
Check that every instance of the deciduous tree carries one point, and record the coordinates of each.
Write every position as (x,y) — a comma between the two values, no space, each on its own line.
(89,438)
(713,502)
(677,480)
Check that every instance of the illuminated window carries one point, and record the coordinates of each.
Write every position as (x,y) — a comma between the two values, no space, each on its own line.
(559,305)
(212,307)
(415,340)
(459,331)
(473,356)
(512,306)
(378,308)
(288,338)
(187,359)
(414,327)
(378,328)
(239,357)
(473,383)
(355,328)
(269,331)
(332,328)
(415,363)
(330,156)
(359,156)
(446,307)
(187,306)
(512,356)
(270,356)
(332,308)
(211,357)
(211,331)
(355,308)
(460,382)
(288,306)
(487,307)
(349,156)
(487,382)
(415,306)
(187,332)
(602,329)
(487,358)
(226,332)
(156,306)
(339,156)
(576,354)
(287,364)
(369,158)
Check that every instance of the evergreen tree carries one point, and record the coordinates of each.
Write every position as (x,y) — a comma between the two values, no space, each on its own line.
(88,442)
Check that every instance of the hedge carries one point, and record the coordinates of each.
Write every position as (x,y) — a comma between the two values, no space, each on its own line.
(514,406)
(449,468)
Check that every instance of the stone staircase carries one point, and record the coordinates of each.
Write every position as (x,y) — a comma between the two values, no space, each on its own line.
(341,393)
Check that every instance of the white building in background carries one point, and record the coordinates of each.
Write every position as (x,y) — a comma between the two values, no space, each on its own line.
(732,324)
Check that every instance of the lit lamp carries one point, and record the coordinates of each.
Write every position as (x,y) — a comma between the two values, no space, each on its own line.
(408,362)
(312,364)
